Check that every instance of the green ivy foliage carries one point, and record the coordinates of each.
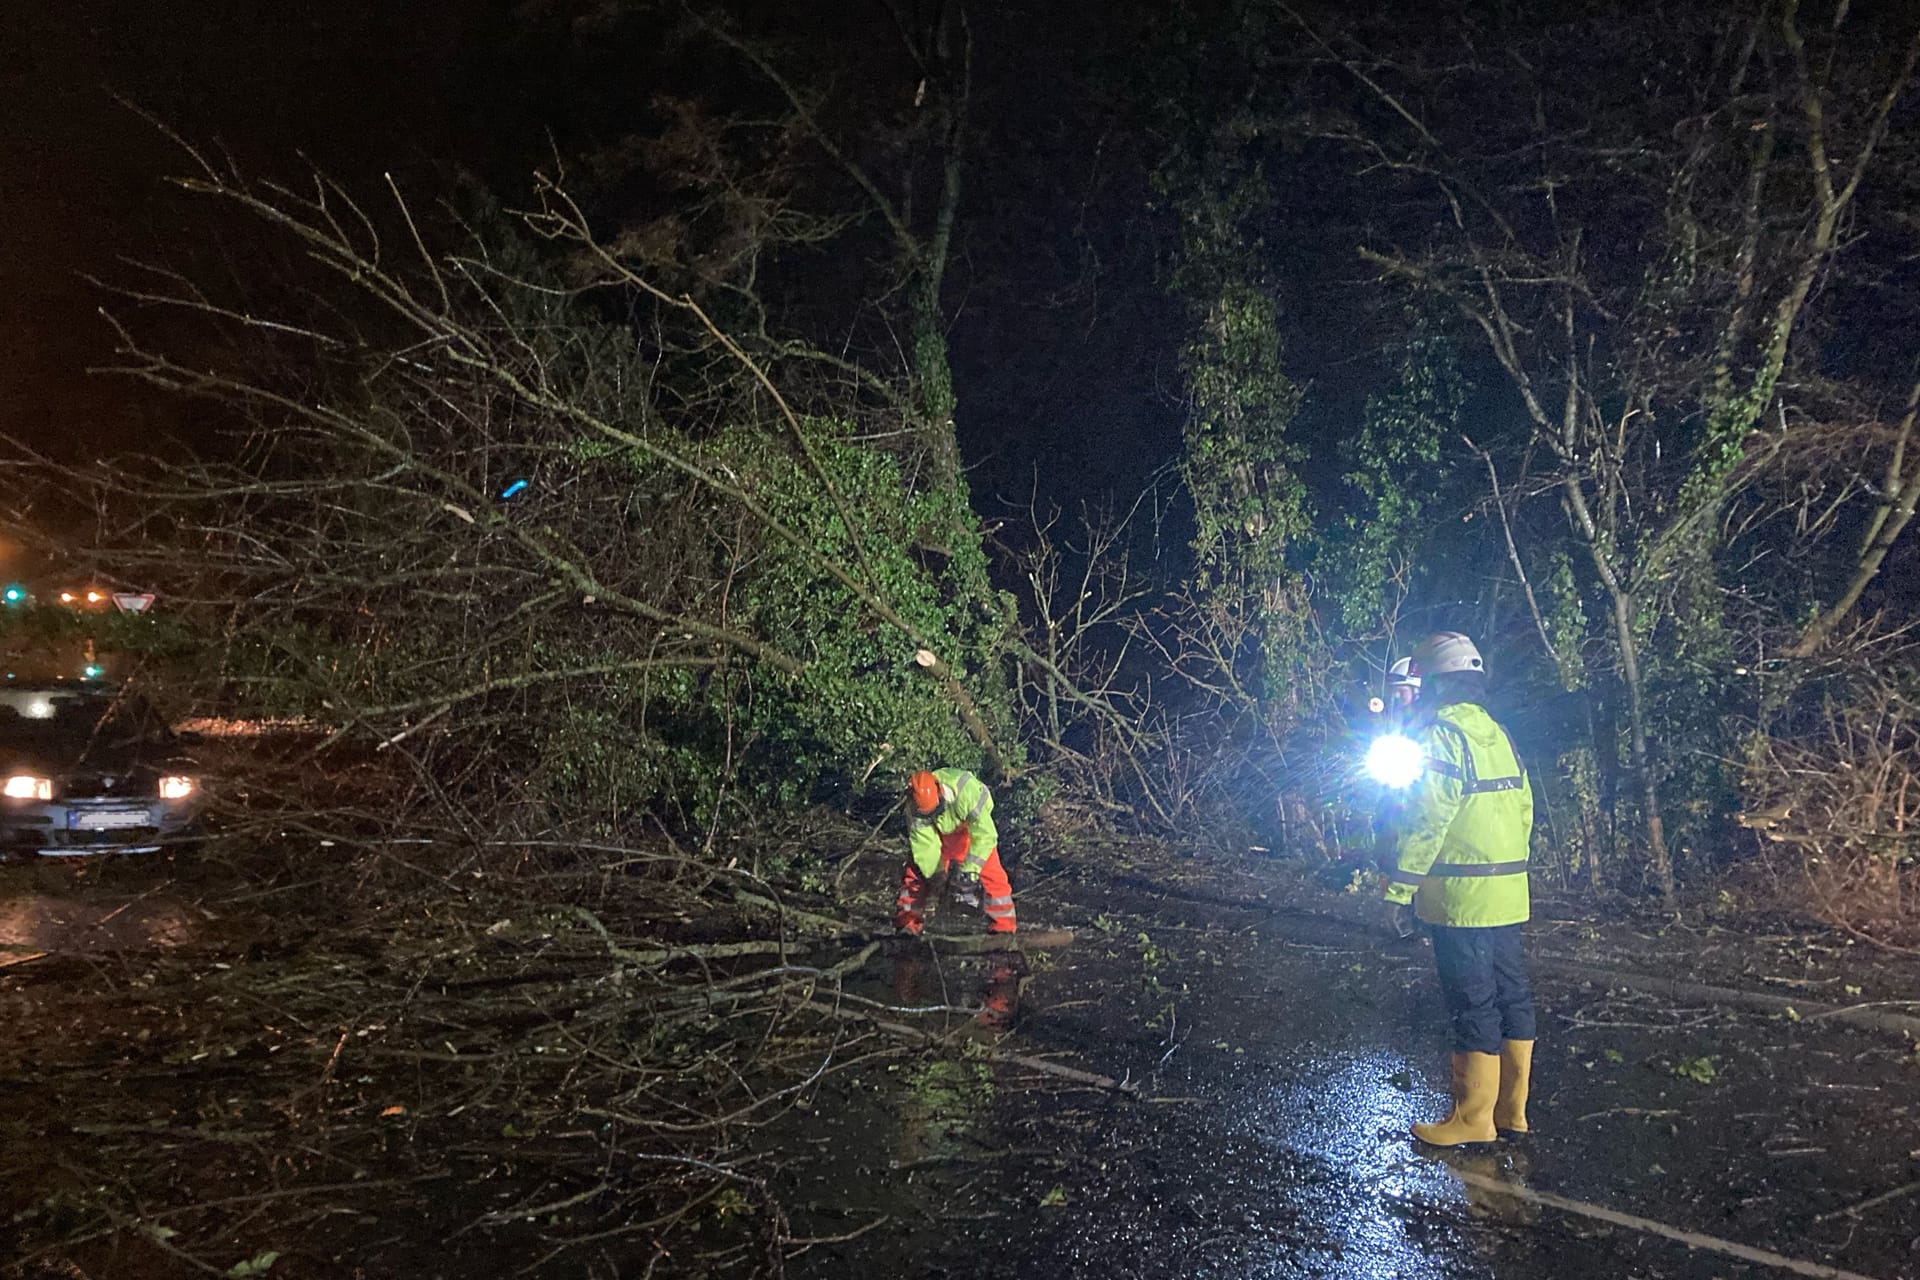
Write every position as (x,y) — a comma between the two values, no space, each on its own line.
(1393,473)
(1249,503)
(861,697)
(858,716)
(1563,608)
(1240,462)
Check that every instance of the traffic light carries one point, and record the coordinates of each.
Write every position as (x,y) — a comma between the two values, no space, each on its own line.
(14,594)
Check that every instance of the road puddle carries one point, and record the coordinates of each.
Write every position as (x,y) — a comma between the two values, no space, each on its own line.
(1351,1112)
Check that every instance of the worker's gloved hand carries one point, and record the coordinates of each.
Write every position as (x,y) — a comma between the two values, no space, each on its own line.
(1400,916)
(966,888)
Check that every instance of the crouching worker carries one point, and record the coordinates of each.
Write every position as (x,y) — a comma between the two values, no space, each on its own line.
(952,827)
(1463,864)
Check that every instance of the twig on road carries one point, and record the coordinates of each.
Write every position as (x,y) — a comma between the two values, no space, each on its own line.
(1644,1112)
(807,1242)
(1854,1210)
(1608,1024)
(1871,1004)
(1692,1239)
(1694,992)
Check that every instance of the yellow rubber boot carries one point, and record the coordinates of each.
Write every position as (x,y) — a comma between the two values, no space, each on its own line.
(1476,1085)
(1516,1066)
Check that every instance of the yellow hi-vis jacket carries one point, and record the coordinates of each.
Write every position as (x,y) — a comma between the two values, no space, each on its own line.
(1468,823)
(966,803)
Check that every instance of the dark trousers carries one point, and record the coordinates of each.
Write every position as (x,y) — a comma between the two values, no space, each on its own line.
(1483,979)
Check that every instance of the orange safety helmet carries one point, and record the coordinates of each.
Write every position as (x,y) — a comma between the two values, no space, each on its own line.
(924,789)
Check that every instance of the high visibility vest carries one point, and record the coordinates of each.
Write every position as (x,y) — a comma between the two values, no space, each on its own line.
(966,803)
(1463,849)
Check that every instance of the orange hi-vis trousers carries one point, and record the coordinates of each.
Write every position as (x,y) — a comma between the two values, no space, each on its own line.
(996,893)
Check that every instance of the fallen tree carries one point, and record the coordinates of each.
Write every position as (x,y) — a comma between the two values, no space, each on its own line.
(574,596)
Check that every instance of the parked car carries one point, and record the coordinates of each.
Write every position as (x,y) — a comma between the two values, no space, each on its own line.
(90,768)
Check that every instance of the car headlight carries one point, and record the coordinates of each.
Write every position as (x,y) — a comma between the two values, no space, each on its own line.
(176,787)
(1395,760)
(28,786)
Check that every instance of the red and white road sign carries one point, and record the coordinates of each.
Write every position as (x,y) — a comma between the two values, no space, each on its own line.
(132,601)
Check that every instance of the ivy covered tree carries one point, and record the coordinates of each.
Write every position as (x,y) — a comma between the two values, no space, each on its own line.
(1239,467)
(1381,550)
(1679,464)
(1651,306)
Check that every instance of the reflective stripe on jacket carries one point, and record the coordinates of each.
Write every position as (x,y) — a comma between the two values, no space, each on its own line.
(968,804)
(1468,824)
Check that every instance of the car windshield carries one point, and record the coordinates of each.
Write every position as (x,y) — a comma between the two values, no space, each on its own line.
(77,715)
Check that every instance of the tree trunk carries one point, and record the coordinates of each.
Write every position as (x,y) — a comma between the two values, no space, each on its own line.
(1630,675)
(933,376)
(1637,736)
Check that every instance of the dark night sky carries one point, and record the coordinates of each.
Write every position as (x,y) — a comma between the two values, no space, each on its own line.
(1065,343)
(360,86)
(363,87)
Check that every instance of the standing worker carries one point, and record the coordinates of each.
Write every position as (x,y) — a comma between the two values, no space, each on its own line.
(1403,689)
(953,824)
(1463,864)
(1389,811)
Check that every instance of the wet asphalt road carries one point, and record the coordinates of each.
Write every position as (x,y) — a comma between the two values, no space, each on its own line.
(1288,1055)
(1280,1057)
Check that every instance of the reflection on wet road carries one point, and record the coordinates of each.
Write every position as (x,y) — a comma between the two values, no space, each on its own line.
(1280,1069)
(1345,1111)
(1284,1073)
(37,922)
(1350,1113)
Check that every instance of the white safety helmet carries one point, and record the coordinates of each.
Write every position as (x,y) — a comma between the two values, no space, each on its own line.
(1445,651)
(1401,673)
